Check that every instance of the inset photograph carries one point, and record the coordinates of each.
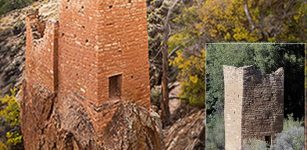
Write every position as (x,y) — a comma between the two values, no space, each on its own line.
(255,96)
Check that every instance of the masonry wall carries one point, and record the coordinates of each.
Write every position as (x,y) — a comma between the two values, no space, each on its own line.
(123,51)
(253,105)
(123,32)
(100,39)
(263,104)
(41,54)
(233,87)
(78,62)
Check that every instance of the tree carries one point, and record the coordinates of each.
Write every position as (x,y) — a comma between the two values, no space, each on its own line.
(252,21)
(190,56)
(191,76)
(215,139)
(293,61)
(165,112)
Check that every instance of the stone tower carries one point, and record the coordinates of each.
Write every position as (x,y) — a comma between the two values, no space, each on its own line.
(96,53)
(254,105)
(103,50)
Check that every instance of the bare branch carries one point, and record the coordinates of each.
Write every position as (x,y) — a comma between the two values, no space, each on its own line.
(249,18)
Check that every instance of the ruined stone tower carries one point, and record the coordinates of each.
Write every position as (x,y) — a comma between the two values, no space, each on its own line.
(254,105)
(96,53)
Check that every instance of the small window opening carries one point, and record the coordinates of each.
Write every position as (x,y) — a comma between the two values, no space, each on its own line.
(129,1)
(115,87)
(268,141)
(268,114)
(111,6)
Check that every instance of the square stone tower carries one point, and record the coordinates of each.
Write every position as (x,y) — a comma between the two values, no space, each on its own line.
(96,53)
(254,105)
(103,50)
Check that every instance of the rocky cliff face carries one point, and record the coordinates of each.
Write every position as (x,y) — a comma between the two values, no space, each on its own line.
(188,132)
(49,124)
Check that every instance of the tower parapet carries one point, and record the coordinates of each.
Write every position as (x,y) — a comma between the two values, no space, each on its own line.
(42,52)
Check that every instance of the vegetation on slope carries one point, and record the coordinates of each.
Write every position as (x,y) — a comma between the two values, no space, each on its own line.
(8,5)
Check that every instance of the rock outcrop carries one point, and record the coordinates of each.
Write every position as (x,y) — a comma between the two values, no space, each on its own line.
(48,124)
(187,133)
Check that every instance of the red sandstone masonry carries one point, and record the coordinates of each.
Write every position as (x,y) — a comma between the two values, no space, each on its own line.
(93,41)
(41,54)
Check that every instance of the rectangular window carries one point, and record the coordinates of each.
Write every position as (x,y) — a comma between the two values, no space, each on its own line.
(115,87)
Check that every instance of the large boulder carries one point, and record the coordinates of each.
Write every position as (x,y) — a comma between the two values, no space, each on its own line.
(50,123)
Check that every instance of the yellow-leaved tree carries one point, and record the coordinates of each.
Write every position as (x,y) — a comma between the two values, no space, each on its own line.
(10,118)
(191,76)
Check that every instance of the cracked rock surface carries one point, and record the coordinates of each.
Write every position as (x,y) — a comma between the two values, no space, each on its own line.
(50,124)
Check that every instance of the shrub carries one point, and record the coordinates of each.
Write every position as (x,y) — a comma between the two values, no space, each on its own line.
(191,76)
(291,139)
(290,123)
(9,113)
(254,144)
(215,133)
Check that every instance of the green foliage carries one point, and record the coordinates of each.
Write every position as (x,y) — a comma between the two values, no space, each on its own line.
(292,138)
(10,114)
(291,123)
(293,61)
(215,133)
(254,144)
(8,5)
(191,77)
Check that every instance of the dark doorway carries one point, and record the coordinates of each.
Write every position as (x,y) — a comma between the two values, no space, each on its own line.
(115,83)
(268,141)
